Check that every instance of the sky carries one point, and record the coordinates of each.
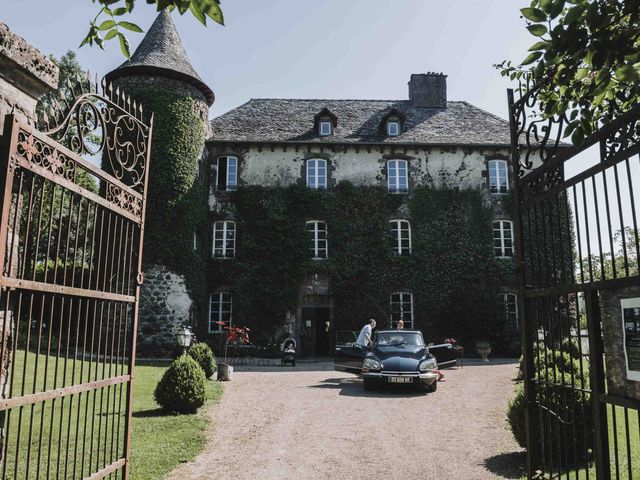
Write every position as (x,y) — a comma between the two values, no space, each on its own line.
(359,49)
(312,49)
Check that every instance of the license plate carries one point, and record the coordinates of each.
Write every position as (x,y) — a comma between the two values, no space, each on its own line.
(401,379)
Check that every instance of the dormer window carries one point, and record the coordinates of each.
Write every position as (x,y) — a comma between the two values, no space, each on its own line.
(325,128)
(393,128)
(391,123)
(325,122)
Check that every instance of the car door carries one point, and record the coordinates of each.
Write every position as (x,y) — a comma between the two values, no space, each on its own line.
(348,354)
(444,354)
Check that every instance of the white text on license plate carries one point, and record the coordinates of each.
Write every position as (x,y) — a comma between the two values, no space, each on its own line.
(401,379)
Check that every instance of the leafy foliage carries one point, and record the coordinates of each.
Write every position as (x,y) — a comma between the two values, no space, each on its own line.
(107,24)
(561,374)
(452,272)
(585,59)
(176,200)
(182,387)
(202,353)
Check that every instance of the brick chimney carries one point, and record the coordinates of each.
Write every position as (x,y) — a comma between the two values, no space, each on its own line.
(428,90)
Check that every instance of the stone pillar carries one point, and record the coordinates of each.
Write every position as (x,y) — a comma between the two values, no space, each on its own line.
(25,75)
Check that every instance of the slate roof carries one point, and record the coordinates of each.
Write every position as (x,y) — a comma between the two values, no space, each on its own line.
(289,120)
(161,52)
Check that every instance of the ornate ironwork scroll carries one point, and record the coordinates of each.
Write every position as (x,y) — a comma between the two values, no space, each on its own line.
(112,124)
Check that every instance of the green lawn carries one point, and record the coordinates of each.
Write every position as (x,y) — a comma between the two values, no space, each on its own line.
(70,437)
(160,441)
(623,469)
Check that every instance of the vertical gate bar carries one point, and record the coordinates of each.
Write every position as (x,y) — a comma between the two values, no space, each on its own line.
(531,412)
(603,467)
(139,279)
(633,216)
(600,251)
(86,407)
(621,215)
(11,381)
(35,377)
(51,207)
(95,392)
(64,375)
(7,171)
(82,379)
(108,393)
(578,237)
(628,438)
(586,229)
(608,209)
(614,424)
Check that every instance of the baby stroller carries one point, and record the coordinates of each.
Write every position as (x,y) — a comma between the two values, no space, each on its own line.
(289,352)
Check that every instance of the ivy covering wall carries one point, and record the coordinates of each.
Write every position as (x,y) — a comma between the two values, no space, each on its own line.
(453,273)
(176,199)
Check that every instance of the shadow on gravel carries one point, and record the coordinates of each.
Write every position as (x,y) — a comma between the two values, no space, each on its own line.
(352,387)
(507,465)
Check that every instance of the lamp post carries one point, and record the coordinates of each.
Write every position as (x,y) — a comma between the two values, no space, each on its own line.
(184,338)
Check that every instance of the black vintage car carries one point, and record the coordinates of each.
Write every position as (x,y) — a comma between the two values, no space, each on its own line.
(396,356)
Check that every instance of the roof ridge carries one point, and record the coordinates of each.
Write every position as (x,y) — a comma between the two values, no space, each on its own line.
(497,117)
(344,100)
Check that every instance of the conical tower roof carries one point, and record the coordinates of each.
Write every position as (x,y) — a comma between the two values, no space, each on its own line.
(161,53)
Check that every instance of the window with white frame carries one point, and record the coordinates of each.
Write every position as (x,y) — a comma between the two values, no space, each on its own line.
(393,128)
(220,310)
(498,176)
(317,173)
(509,304)
(319,244)
(224,239)
(402,309)
(401,232)
(397,176)
(503,238)
(326,128)
(227,173)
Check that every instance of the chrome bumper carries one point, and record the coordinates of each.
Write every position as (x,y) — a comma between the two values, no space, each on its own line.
(422,376)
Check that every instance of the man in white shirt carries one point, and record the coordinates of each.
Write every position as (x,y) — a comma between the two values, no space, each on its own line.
(364,339)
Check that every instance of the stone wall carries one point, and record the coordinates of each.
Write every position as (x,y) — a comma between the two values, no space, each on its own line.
(361,165)
(613,335)
(25,75)
(164,307)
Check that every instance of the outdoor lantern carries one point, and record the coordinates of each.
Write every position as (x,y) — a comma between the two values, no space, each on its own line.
(184,337)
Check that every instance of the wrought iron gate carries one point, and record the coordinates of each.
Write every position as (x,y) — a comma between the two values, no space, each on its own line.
(578,246)
(70,248)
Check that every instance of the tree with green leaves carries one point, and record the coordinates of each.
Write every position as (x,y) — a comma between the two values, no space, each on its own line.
(109,24)
(585,60)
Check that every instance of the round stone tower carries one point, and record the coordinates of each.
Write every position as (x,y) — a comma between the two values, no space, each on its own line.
(159,74)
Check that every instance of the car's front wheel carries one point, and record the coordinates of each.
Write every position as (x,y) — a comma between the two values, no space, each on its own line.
(369,383)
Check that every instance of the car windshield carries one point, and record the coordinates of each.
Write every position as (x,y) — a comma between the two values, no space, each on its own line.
(396,339)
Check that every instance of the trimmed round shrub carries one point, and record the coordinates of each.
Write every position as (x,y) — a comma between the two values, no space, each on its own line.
(202,353)
(182,387)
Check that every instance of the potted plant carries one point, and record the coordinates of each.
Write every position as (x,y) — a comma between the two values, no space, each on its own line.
(234,335)
(457,349)
(483,348)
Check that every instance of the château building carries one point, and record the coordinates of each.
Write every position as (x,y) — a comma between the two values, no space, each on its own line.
(309,158)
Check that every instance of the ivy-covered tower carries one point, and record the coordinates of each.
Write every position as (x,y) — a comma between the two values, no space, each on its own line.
(160,75)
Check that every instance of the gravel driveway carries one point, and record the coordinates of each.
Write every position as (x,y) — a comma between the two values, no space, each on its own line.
(313,423)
